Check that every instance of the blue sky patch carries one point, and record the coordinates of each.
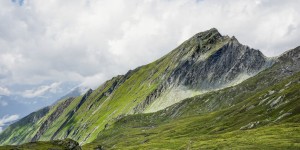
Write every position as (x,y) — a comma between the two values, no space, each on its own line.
(20,2)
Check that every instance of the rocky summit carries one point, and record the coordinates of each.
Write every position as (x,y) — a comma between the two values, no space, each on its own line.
(209,92)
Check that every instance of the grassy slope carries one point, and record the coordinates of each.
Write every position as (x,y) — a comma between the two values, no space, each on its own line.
(104,110)
(105,107)
(269,102)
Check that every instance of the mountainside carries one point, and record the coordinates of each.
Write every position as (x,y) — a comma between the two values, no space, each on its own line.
(208,61)
(262,112)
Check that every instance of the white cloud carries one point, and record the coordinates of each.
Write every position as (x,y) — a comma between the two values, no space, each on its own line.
(7,119)
(92,81)
(4,91)
(40,91)
(89,41)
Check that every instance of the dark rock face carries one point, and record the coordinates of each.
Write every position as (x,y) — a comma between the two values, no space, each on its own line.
(290,60)
(219,69)
(150,98)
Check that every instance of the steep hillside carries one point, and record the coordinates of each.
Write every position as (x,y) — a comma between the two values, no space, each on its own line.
(262,112)
(207,61)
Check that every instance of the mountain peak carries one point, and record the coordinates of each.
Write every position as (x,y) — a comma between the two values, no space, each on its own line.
(213,30)
(233,38)
(208,34)
(204,40)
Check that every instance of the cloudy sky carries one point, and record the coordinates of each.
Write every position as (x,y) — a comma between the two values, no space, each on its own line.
(47,46)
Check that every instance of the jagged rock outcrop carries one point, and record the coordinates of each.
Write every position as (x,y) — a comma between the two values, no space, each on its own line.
(220,68)
(290,60)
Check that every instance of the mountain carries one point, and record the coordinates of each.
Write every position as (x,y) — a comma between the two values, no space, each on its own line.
(162,95)
(262,112)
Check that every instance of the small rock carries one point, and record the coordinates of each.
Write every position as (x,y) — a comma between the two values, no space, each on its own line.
(262,101)
(275,102)
(250,125)
(250,107)
(282,116)
(271,92)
